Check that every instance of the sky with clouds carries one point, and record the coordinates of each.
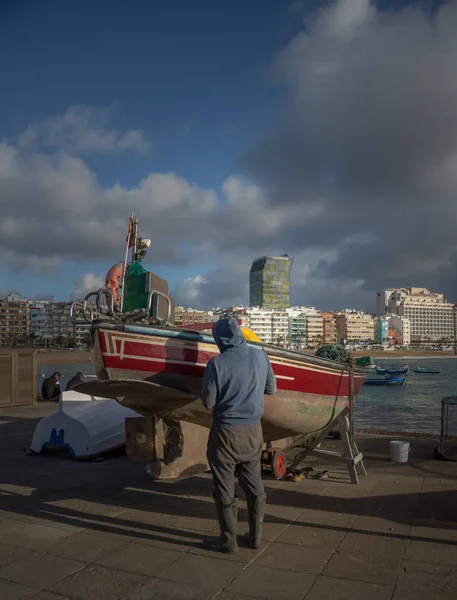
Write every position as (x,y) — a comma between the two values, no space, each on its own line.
(322,129)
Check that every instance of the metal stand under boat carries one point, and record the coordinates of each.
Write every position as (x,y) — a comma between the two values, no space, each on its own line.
(350,456)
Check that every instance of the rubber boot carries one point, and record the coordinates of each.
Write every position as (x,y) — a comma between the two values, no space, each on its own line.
(227,515)
(256,511)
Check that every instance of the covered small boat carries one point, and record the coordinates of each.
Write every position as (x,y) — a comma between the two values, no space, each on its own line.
(83,426)
(156,369)
(427,370)
(386,381)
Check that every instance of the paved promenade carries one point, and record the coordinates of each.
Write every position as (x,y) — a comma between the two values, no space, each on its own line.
(106,531)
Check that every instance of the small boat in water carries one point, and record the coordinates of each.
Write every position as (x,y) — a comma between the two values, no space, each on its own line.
(427,370)
(392,371)
(386,381)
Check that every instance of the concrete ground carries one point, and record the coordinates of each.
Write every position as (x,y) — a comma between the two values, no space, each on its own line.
(106,531)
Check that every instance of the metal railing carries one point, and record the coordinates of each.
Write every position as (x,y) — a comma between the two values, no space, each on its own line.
(100,306)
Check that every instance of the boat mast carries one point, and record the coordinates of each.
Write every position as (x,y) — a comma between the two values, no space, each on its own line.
(135,240)
(130,239)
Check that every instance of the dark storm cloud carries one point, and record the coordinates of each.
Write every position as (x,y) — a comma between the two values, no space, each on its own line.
(359,184)
(371,136)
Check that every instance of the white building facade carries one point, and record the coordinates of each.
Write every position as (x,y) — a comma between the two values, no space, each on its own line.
(296,327)
(403,326)
(431,317)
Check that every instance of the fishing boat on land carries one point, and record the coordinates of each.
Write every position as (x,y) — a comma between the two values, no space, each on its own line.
(427,370)
(147,364)
(386,381)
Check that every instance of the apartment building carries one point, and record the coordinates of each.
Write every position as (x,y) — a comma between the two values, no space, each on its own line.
(62,322)
(81,333)
(41,319)
(330,329)
(381,330)
(431,316)
(402,327)
(355,326)
(289,328)
(297,329)
(14,320)
(190,316)
(314,328)
(261,323)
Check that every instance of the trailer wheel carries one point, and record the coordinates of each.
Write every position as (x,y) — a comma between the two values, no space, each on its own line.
(278,464)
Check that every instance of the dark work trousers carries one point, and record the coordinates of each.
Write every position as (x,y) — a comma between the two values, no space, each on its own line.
(235,446)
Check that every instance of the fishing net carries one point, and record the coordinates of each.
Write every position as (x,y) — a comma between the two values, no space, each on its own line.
(136,268)
(333,352)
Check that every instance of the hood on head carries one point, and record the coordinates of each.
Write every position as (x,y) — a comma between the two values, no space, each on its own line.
(227,334)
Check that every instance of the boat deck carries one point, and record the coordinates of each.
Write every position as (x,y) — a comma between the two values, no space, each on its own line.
(104,530)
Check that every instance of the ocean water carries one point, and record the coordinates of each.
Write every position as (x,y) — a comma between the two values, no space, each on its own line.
(414,407)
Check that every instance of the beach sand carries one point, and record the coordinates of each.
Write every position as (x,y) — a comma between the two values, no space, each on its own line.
(84,358)
(65,358)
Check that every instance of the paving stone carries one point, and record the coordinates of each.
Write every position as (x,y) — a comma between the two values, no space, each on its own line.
(381,570)
(117,532)
(345,492)
(384,525)
(174,522)
(14,591)
(445,553)
(229,596)
(360,543)
(431,530)
(86,506)
(34,537)
(277,506)
(7,524)
(39,570)
(272,584)
(47,596)
(86,548)
(271,530)
(9,554)
(420,575)
(137,558)
(326,517)
(315,537)
(410,493)
(183,540)
(293,558)
(54,520)
(244,554)
(402,593)
(97,583)
(161,589)
(331,588)
(203,571)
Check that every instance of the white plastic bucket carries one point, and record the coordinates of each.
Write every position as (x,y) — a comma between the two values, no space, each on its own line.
(399,451)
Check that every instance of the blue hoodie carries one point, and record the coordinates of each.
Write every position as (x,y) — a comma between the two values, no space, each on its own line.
(236,380)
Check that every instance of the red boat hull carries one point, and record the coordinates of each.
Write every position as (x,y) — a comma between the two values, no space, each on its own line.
(159,372)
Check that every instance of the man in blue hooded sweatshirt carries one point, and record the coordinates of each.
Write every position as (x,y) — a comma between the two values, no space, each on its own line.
(234,385)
